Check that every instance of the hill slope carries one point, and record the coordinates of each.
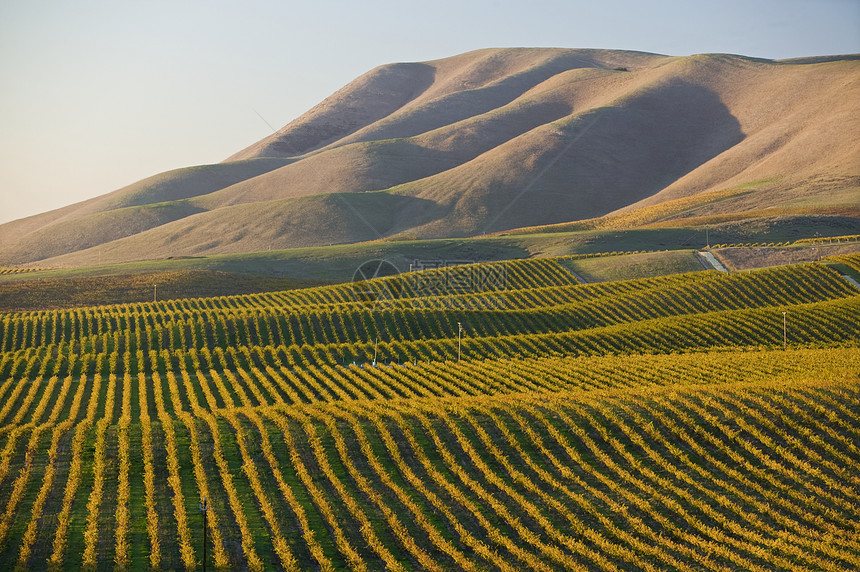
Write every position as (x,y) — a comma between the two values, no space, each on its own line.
(488,141)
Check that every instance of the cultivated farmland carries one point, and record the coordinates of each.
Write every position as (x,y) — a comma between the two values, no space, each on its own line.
(700,420)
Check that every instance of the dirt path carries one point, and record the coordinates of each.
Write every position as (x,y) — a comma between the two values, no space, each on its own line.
(851,281)
(712,261)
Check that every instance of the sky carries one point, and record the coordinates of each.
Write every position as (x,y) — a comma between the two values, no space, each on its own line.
(98,94)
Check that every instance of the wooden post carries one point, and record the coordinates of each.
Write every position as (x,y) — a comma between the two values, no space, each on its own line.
(204,508)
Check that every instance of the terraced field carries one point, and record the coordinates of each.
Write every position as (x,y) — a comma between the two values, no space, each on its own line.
(648,424)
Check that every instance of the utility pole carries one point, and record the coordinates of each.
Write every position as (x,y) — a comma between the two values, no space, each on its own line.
(155,292)
(459,339)
(784,334)
(204,509)
(375,348)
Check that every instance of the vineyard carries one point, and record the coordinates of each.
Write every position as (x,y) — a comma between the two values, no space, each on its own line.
(702,420)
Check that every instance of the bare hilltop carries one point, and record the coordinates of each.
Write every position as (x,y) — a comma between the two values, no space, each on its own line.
(490,141)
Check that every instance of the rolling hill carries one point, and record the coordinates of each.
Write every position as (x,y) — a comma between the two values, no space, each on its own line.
(490,141)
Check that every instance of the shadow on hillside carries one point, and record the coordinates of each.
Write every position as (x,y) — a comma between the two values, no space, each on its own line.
(468,102)
(354,217)
(611,157)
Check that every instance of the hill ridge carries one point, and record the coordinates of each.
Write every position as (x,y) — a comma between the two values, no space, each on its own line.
(488,141)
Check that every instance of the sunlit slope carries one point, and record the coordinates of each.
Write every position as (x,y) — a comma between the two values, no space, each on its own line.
(146,204)
(405,100)
(494,140)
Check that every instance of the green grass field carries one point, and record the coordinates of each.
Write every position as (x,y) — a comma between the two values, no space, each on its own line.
(664,422)
(631,266)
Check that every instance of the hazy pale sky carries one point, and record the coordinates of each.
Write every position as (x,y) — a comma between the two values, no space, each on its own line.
(97,94)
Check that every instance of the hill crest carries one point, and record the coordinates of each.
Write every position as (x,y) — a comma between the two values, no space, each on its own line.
(489,141)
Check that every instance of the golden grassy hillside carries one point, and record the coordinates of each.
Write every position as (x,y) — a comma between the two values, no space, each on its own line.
(494,140)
